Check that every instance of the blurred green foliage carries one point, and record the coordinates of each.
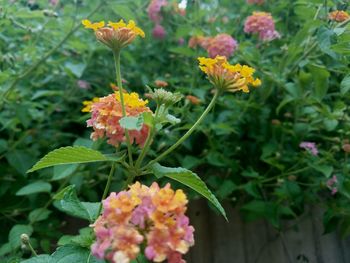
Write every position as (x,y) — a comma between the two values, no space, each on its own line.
(247,150)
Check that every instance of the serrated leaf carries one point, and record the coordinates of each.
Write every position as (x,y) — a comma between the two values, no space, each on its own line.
(69,203)
(70,155)
(132,123)
(33,188)
(16,232)
(63,171)
(189,179)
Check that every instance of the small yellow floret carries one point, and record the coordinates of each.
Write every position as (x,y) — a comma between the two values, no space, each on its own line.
(88,104)
(117,25)
(95,26)
(132,100)
(138,31)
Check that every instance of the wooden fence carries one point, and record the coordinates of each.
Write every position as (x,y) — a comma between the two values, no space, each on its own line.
(238,242)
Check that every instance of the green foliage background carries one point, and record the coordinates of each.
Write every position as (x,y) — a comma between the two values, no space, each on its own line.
(247,149)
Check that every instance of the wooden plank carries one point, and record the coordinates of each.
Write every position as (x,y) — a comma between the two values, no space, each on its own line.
(227,236)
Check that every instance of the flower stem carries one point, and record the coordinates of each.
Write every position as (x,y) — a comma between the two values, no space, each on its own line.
(148,141)
(31,249)
(120,88)
(187,134)
(108,185)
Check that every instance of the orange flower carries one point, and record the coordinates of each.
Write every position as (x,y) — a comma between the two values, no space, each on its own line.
(161,83)
(193,99)
(338,16)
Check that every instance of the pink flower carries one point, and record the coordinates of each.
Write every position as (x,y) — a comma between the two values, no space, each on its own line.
(154,10)
(332,184)
(222,45)
(158,32)
(310,146)
(151,215)
(181,41)
(107,112)
(83,84)
(261,23)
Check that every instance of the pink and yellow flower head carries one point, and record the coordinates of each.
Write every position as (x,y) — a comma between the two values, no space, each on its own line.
(227,77)
(339,16)
(153,216)
(222,45)
(106,113)
(261,23)
(116,34)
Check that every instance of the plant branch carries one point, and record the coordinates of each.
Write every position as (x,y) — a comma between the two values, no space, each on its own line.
(108,185)
(187,134)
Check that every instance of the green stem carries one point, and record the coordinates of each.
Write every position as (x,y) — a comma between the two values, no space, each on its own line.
(32,249)
(120,88)
(108,185)
(187,134)
(148,141)
(129,180)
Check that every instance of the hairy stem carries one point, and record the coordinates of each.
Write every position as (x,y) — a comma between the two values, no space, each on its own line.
(187,134)
(120,88)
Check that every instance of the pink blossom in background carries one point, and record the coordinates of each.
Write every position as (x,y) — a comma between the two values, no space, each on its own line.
(310,146)
(261,23)
(158,32)
(222,45)
(83,84)
(154,10)
(181,41)
(54,2)
(259,2)
(332,184)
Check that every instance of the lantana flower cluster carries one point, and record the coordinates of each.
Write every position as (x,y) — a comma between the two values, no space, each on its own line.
(220,45)
(116,34)
(339,16)
(227,77)
(309,146)
(106,113)
(154,13)
(261,23)
(153,217)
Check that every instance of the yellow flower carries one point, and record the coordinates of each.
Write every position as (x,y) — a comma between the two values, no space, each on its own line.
(225,76)
(94,26)
(116,34)
(88,104)
(132,100)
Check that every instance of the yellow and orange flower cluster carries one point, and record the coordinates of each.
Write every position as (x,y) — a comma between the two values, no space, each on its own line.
(151,215)
(339,16)
(116,34)
(106,113)
(227,77)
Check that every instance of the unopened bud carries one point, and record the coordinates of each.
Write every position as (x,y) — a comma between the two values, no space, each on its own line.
(25,239)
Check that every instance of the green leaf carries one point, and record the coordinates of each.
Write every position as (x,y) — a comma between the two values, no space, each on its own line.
(124,11)
(33,188)
(69,155)
(39,259)
(63,171)
(39,214)
(20,160)
(325,169)
(71,253)
(345,85)
(189,179)
(132,123)
(16,232)
(69,203)
(85,238)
